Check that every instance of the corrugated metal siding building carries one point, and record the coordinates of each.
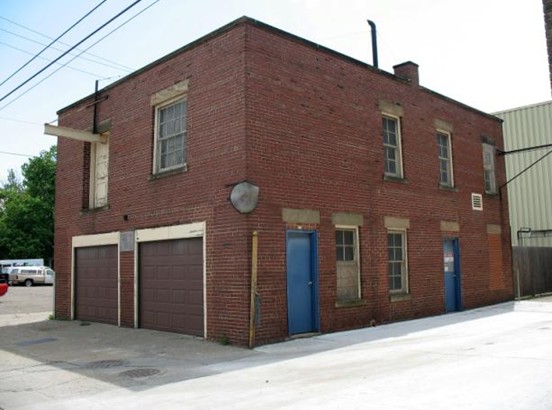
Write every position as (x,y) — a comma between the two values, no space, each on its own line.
(529,195)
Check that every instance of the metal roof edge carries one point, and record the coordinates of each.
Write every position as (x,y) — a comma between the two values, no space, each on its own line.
(523,107)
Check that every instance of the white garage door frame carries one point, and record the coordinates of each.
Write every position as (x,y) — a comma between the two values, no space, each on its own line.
(165,233)
(101,239)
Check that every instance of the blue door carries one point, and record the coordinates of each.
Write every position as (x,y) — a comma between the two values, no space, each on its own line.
(301,282)
(453,298)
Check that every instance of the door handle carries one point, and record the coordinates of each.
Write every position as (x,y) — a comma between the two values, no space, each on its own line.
(310,283)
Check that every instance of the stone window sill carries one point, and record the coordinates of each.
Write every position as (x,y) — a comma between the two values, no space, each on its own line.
(164,174)
(92,210)
(399,297)
(448,188)
(391,178)
(350,303)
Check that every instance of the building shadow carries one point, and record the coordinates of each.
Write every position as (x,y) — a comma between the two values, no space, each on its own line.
(140,359)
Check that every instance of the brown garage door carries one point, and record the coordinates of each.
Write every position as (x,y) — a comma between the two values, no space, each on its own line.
(96,284)
(171,286)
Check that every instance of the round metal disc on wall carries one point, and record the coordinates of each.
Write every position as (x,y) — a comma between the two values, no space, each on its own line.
(244,197)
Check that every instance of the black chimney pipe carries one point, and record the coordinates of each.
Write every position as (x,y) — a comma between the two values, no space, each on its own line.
(374,43)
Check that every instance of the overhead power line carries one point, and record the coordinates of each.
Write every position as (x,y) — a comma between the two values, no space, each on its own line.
(83,51)
(113,65)
(47,59)
(109,62)
(526,169)
(17,154)
(68,51)
(52,43)
(20,121)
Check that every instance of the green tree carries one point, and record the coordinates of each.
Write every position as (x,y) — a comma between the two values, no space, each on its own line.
(13,182)
(39,176)
(27,210)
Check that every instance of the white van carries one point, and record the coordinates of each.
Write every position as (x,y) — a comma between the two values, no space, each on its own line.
(31,275)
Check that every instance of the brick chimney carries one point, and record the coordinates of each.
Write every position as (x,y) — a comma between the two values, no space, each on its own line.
(408,71)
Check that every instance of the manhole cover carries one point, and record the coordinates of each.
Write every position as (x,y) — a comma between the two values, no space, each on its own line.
(140,373)
(104,364)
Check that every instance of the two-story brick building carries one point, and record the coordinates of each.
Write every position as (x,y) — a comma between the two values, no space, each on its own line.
(349,196)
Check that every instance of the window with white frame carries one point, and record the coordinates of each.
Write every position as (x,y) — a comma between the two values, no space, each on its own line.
(347,261)
(171,135)
(397,267)
(489,168)
(392,146)
(444,145)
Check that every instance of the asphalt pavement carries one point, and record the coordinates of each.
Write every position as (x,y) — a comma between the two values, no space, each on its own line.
(498,357)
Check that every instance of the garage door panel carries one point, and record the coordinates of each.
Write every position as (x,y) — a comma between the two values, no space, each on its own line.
(147,316)
(178,296)
(195,298)
(96,270)
(162,295)
(171,285)
(163,319)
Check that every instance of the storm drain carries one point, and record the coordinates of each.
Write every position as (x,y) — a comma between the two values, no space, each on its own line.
(104,364)
(140,373)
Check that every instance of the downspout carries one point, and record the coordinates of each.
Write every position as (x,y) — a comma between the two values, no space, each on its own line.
(253,312)
(95,114)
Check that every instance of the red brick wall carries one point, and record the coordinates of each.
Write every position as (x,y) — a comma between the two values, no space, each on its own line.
(126,285)
(216,158)
(496,267)
(304,125)
(314,142)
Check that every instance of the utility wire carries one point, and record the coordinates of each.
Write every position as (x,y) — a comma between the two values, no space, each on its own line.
(110,65)
(525,170)
(47,59)
(53,41)
(83,51)
(20,121)
(68,51)
(122,66)
(16,154)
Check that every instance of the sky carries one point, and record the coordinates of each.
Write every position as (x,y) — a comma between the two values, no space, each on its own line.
(489,54)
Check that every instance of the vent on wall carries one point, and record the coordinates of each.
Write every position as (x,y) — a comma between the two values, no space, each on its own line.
(477,202)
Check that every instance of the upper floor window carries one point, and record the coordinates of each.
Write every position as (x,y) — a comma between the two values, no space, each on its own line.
(489,168)
(392,146)
(99,174)
(445,159)
(170,136)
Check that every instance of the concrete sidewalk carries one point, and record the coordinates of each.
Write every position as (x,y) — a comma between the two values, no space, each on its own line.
(499,357)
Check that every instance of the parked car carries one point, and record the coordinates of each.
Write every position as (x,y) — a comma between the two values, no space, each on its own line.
(31,275)
(5,274)
(3,286)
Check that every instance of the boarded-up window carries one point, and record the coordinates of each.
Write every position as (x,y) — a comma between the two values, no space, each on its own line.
(346,254)
(496,273)
(99,174)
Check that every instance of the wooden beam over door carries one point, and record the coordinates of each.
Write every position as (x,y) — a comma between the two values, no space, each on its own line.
(73,134)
